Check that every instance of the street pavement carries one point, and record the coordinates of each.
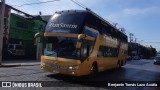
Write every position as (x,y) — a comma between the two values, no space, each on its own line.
(143,64)
(134,70)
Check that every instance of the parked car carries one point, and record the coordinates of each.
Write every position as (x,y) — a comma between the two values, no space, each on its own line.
(16,50)
(136,58)
(157,60)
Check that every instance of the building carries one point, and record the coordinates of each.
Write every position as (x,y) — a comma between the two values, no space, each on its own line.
(20,29)
(6,23)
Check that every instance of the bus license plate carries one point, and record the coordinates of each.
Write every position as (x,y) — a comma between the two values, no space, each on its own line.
(55,71)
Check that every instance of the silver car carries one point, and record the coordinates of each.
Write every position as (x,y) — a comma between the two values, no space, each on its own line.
(157,60)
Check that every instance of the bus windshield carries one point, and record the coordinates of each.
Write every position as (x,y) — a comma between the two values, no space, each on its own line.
(64,47)
(66,22)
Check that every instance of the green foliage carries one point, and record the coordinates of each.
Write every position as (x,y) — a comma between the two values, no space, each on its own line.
(146,52)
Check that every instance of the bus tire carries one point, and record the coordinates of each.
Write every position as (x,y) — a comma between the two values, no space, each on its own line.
(119,64)
(122,63)
(125,61)
(94,70)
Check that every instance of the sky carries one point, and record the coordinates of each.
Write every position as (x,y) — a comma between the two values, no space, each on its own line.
(140,17)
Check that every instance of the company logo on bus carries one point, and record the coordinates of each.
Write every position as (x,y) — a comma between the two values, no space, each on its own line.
(62,25)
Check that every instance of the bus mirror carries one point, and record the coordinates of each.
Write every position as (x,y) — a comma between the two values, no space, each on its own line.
(81,36)
(39,34)
(35,41)
(36,38)
(36,35)
(78,45)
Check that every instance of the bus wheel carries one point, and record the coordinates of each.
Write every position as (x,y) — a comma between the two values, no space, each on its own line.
(119,64)
(93,70)
(122,63)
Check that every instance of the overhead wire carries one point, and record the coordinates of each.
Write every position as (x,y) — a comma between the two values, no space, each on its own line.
(26,8)
(20,5)
(45,10)
(76,2)
(35,3)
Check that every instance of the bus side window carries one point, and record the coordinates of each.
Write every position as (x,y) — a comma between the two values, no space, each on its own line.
(89,47)
(90,32)
(100,52)
(105,51)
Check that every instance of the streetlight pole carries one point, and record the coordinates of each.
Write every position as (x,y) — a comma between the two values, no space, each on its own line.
(2,9)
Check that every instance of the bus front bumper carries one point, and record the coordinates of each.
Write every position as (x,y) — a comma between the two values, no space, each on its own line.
(60,69)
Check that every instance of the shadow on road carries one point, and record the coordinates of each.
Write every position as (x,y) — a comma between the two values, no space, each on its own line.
(99,81)
(110,76)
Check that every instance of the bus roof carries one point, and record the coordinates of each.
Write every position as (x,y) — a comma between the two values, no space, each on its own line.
(94,14)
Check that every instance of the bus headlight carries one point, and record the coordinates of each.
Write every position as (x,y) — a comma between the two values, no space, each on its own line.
(73,67)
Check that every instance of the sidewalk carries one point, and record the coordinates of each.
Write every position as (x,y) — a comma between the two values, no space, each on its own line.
(14,63)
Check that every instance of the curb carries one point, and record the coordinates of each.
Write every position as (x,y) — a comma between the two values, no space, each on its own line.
(17,65)
(29,64)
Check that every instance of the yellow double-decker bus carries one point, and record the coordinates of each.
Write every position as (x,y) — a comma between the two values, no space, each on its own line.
(79,42)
